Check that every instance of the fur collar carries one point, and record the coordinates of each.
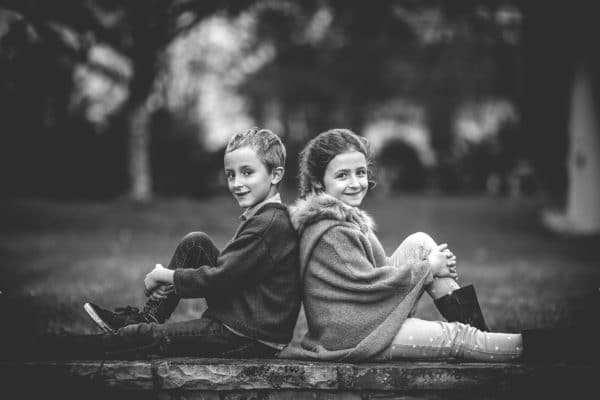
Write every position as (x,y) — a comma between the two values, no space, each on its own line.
(317,207)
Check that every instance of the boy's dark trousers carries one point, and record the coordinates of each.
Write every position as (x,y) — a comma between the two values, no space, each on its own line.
(202,337)
(199,337)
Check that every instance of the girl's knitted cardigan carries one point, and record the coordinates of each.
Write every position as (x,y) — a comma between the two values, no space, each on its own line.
(354,301)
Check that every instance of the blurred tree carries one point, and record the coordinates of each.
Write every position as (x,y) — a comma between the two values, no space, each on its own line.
(583,196)
(581,214)
(561,111)
(136,29)
(336,63)
(332,61)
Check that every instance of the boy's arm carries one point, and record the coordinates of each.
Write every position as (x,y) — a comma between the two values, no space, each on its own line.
(238,265)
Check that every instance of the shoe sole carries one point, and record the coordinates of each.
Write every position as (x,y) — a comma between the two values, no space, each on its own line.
(96,318)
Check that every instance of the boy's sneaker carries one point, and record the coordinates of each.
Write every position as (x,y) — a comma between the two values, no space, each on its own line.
(110,321)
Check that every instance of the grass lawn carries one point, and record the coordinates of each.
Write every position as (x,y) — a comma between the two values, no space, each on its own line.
(57,255)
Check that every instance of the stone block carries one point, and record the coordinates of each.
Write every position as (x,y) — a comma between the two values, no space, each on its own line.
(244,374)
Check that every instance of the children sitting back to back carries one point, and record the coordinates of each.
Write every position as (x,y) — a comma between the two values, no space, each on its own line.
(251,287)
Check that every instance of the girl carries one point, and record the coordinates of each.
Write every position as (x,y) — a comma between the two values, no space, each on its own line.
(358,302)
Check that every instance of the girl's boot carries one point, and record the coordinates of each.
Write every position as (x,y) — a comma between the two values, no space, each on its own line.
(462,306)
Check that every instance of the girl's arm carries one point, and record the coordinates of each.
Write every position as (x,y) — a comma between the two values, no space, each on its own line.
(341,260)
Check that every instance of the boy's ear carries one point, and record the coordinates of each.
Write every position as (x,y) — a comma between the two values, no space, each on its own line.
(277,175)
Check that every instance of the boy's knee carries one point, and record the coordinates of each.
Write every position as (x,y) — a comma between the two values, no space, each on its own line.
(196,239)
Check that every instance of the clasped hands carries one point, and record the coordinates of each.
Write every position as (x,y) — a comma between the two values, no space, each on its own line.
(443,262)
(155,284)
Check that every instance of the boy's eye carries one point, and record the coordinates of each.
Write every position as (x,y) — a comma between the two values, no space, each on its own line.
(247,172)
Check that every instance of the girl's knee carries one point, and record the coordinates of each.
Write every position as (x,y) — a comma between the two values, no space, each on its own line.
(421,238)
(420,242)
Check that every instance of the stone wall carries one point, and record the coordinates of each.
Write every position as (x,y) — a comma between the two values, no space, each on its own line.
(192,378)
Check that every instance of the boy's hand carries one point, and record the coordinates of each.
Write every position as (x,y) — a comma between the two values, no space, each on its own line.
(443,262)
(157,277)
(162,292)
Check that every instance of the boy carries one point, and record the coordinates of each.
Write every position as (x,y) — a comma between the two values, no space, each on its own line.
(252,286)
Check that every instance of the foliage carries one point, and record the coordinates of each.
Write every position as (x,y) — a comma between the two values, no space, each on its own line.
(341,64)
(57,44)
(96,70)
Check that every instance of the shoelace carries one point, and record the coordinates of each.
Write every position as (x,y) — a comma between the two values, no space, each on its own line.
(134,311)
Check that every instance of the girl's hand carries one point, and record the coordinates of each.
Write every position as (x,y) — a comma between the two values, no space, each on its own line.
(443,262)
(152,280)
(451,264)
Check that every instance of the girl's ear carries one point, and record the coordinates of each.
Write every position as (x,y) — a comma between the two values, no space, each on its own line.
(277,175)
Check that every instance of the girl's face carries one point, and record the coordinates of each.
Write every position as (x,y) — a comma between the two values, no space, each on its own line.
(346,177)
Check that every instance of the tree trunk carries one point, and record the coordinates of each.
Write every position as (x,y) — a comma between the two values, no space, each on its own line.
(583,201)
(582,214)
(140,174)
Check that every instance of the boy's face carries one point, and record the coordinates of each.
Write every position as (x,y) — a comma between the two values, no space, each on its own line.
(248,178)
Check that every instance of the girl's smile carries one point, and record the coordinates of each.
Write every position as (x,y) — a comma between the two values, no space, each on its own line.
(346,178)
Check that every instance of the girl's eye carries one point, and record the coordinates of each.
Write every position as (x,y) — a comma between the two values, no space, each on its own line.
(342,175)
(229,176)
(247,173)
(361,172)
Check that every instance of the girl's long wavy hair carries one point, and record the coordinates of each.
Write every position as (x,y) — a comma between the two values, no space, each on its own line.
(320,150)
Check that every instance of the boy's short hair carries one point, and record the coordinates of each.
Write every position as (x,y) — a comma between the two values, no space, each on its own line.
(268,146)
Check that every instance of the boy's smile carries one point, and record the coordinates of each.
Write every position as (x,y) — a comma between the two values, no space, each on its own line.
(248,178)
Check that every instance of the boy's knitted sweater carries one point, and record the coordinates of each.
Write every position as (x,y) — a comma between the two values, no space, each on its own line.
(355,301)
(254,287)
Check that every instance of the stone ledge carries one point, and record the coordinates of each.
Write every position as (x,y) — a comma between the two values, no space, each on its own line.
(316,379)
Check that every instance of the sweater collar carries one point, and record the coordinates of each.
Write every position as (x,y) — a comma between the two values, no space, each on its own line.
(317,207)
(250,211)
